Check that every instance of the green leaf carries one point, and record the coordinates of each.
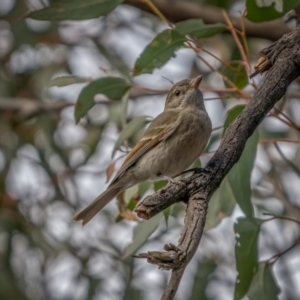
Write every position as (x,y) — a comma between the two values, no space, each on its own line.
(141,233)
(159,51)
(219,3)
(264,285)
(237,74)
(112,87)
(232,114)
(66,80)
(246,254)
(297,156)
(196,163)
(198,29)
(123,108)
(160,184)
(75,10)
(131,128)
(239,176)
(167,213)
(221,205)
(204,272)
(261,11)
(144,187)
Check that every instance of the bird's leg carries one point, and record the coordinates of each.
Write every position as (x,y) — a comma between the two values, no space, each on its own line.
(195,170)
(170,179)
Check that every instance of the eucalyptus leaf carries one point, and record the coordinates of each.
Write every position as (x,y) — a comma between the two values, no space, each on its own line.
(264,285)
(112,87)
(159,51)
(246,254)
(221,205)
(240,175)
(232,114)
(262,10)
(167,213)
(198,29)
(202,277)
(66,80)
(75,10)
(144,187)
(237,74)
(141,233)
(160,184)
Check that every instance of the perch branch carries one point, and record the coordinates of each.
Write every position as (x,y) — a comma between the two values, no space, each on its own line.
(284,57)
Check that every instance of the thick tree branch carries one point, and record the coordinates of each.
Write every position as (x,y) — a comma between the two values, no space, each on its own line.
(284,56)
(176,11)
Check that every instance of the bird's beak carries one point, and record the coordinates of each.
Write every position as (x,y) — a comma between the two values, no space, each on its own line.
(196,81)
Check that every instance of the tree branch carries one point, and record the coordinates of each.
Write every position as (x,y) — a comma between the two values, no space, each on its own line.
(176,11)
(284,56)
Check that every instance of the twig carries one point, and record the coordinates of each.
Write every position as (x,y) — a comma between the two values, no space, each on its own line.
(158,12)
(279,217)
(290,163)
(243,35)
(268,141)
(237,41)
(274,258)
(292,125)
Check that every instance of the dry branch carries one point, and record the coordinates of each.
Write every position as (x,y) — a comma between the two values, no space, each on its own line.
(284,59)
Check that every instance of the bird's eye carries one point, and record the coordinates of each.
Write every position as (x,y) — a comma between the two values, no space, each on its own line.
(177,93)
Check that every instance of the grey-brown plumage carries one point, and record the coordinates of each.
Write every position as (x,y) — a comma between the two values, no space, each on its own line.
(171,143)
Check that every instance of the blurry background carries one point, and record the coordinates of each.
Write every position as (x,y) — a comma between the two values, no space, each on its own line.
(51,167)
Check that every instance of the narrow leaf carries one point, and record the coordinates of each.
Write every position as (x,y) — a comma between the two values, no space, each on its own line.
(221,205)
(66,80)
(204,272)
(264,285)
(198,29)
(160,184)
(240,175)
(167,213)
(232,114)
(75,10)
(141,233)
(112,87)
(144,187)
(237,74)
(159,51)
(246,254)
(261,11)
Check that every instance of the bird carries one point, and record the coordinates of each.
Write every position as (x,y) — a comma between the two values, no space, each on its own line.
(171,143)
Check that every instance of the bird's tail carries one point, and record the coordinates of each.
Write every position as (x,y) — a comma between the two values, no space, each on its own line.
(86,214)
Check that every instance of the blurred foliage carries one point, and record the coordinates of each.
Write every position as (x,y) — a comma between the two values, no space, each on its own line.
(61,71)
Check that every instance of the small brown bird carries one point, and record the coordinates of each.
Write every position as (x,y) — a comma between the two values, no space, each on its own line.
(172,142)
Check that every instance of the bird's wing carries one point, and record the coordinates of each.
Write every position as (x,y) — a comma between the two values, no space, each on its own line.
(160,129)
